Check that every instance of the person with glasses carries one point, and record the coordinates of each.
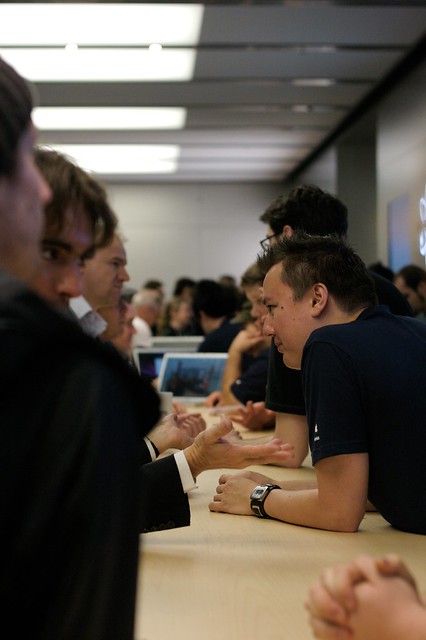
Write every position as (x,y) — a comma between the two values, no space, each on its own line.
(266,242)
(306,208)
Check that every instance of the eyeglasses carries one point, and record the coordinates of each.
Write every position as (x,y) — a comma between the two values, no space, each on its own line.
(266,242)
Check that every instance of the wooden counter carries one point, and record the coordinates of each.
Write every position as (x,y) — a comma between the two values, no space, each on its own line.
(232,577)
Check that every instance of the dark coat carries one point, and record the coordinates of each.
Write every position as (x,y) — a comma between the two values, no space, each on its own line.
(72,415)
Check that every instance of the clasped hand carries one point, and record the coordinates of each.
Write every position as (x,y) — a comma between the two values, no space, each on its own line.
(368,599)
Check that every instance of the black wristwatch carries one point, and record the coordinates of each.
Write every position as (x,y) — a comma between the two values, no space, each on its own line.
(258,497)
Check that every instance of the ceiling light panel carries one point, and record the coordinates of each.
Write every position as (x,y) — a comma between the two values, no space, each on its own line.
(56,24)
(108,118)
(123,159)
(101,65)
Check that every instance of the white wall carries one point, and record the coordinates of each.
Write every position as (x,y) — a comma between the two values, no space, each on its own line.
(200,231)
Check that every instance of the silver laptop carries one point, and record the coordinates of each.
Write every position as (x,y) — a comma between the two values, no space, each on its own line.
(176,343)
(191,377)
(148,359)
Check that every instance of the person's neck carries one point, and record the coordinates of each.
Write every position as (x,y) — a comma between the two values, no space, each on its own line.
(338,316)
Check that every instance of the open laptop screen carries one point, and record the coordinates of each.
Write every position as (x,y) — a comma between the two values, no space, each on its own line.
(191,377)
(148,361)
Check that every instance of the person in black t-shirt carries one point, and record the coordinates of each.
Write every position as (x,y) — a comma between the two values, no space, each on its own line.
(307,208)
(361,369)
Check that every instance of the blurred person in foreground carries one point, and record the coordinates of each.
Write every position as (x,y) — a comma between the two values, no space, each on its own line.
(70,498)
(367,599)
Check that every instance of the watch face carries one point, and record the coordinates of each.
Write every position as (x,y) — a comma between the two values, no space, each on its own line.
(258,493)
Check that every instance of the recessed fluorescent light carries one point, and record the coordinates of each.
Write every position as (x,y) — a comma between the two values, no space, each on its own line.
(313,82)
(300,108)
(108,118)
(324,48)
(155,48)
(122,159)
(107,65)
(135,24)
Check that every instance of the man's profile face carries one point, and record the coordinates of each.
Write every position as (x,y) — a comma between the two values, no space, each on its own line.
(258,310)
(104,275)
(63,252)
(289,322)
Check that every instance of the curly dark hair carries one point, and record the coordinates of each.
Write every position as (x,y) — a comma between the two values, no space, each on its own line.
(308,208)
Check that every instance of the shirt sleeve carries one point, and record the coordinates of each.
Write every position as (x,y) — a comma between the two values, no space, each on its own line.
(150,448)
(334,407)
(188,482)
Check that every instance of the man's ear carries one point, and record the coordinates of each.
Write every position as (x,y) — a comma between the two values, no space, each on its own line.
(287,231)
(319,298)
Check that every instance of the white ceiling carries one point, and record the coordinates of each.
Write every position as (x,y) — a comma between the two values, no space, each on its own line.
(246,117)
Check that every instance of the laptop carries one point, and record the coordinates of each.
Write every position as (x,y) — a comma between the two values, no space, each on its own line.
(148,361)
(191,377)
(176,343)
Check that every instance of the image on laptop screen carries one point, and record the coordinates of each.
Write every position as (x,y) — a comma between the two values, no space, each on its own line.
(191,377)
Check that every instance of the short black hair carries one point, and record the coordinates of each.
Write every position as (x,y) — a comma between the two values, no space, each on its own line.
(412,275)
(308,208)
(152,284)
(181,284)
(214,299)
(307,260)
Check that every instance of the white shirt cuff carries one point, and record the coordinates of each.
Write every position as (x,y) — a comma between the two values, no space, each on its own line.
(188,482)
(150,449)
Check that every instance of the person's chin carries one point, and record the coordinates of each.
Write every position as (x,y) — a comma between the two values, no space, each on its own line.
(290,362)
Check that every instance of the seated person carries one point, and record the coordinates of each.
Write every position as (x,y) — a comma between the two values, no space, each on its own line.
(176,319)
(359,364)
(411,282)
(123,341)
(244,380)
(241,385)
(147,306)
(367,599)
(214,306)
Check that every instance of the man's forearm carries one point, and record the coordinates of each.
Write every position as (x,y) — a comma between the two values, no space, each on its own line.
(294,429)
(303,507)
